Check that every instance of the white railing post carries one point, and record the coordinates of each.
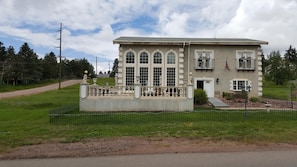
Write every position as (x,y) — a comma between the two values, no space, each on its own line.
(84,92)
(190,91)
(137,91)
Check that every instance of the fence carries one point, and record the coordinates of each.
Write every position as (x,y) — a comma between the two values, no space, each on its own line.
(57,113)
(71,115)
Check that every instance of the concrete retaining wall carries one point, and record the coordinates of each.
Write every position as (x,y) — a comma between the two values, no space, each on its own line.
(130,103)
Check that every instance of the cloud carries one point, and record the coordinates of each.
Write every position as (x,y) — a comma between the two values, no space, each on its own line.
(90,26)
(268,20)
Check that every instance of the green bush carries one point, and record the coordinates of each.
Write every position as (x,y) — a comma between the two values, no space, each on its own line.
(228,96)
(200,96)
(254,99)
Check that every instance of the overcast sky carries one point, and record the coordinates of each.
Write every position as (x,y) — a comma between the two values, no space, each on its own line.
(90,26)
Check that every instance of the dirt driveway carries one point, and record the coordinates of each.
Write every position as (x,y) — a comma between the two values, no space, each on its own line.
(28,92)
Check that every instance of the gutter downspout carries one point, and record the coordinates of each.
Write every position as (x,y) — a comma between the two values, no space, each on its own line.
(189,59)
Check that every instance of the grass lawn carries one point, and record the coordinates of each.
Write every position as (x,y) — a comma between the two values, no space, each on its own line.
(270,90)
(25,121)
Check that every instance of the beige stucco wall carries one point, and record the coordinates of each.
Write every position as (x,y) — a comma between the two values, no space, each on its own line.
(221,55)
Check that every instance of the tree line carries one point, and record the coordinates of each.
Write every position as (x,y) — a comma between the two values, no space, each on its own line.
(25,67)
(280,68)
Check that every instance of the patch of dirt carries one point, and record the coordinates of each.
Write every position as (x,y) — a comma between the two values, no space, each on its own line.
(134,145)
(240,103)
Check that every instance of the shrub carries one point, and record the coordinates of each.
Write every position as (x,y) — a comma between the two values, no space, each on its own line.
(200,96)
(228,96)
(254,99)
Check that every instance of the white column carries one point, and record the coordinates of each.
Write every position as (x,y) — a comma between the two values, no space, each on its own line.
(137,90)
(83,93)
(190,91)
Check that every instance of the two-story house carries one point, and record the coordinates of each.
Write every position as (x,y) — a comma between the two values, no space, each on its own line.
(160,74)
(216,65)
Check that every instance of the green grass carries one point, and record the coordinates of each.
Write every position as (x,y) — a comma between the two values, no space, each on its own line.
(259,126)
(273,91)
(25,121)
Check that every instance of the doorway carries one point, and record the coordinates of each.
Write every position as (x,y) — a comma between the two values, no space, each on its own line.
(206,84)
(200,84)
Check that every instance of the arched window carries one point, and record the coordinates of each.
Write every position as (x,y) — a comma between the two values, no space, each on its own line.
(170,58)
(130,57)
(157,58)
(143,58)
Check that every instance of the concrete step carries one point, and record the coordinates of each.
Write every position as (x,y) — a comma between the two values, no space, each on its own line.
(217,103)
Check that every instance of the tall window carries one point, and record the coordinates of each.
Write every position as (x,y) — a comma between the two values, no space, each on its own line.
(245,60)
(129,76)
(170,76)
(130,57)
(143,58)
(157,58)
(156,76)
(171,58)
(143,76)
(204,59)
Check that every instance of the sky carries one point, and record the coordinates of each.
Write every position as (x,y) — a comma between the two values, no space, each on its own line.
(90,26)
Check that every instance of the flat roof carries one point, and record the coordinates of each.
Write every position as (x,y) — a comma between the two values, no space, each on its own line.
(187,41)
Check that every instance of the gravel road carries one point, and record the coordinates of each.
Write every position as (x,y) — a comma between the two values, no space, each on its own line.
(28,92)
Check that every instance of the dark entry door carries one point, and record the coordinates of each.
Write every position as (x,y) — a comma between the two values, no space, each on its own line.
(200,85)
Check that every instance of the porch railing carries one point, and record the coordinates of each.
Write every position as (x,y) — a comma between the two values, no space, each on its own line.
(145,91)
(95,90)
(163,91)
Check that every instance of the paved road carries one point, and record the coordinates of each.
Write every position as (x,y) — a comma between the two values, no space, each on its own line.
(27,92)
(286,158)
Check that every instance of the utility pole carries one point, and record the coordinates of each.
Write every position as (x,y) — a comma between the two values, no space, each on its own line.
(109,66)
(60,56)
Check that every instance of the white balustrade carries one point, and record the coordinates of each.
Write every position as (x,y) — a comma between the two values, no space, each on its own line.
(145,91)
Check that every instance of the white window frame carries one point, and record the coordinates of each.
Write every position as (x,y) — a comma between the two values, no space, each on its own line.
(204,59)
(235,86)
(130,61)
(129,65)
(245,59)
(130,79)
(157,60)
(172,81)
(169,60)
(171,65)
(157,76)
(148,57)
(144,77)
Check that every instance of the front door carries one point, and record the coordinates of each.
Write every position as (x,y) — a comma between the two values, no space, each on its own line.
(206,84)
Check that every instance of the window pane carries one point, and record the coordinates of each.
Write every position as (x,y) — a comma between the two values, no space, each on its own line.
(171,58)
(130,57)
(143,58)
(158,58)
(156,76)
(129,76)
(170,76)
(234,85)
(143,76)
(241,85)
